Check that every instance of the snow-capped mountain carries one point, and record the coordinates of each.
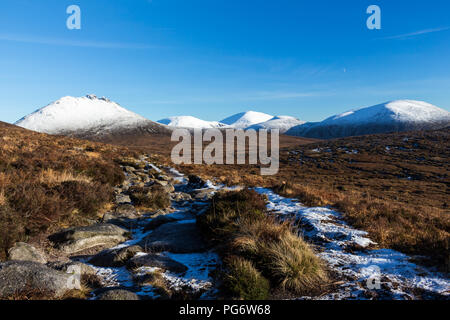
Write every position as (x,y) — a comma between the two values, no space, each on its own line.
(394,116)
(84,116)
(283,123)
(246,119)
(190,122)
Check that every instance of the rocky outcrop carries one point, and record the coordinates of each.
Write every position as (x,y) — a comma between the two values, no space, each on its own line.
(157,261)
(74,240)
(19,278)
(24,252)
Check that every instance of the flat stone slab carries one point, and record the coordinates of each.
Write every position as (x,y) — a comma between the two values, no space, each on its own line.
(114,257)
(158,261)
(74,240)
(175,237)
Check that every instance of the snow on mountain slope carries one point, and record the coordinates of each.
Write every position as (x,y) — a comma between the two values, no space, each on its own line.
(283,123)
(245,119)
(190,122)
(70,114)
(394,116)
(399,110)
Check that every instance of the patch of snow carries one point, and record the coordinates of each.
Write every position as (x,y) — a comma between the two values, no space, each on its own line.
(339,243)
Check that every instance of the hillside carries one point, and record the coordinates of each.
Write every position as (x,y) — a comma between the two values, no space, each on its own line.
(88,117)
(394,116)
(47,182)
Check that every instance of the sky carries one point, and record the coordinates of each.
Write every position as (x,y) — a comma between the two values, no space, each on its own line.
(213,58)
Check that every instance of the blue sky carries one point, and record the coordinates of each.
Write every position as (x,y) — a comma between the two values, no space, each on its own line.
(213,58)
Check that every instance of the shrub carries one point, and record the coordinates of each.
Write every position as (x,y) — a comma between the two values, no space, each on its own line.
(239,223)
(153,198)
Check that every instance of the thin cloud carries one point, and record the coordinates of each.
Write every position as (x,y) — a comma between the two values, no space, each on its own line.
(75,43)
(417,33)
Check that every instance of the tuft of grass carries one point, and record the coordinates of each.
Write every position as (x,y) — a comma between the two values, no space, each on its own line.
(239,224)
(52,177)
(244,281)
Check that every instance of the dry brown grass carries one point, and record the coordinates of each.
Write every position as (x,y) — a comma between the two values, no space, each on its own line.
(52,177)
(399,196)
(48,182)
(2,197)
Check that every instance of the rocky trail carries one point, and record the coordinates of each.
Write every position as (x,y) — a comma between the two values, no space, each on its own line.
(134,253)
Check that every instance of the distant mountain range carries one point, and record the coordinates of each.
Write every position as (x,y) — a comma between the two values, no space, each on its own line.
(92,117)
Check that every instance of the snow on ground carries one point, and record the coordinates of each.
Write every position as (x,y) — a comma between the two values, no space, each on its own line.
(196,279)
(348,252)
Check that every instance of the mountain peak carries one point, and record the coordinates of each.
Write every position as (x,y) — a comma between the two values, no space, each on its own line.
(246,119)
(71,114)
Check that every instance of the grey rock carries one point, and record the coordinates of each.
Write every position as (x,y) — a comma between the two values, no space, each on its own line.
(123,198)
(203,194)
(157,261)
(129,169)
(195,182)
(174,237)
(21,277)
(24,252)
(115,257)
(118,294)
(181,196)
(126,210)
(73,240)
(65,266)
(158,221)
(167,186)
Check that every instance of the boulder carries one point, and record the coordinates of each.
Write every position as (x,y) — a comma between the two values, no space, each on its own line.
(166,185)
(118,294)
(157,261)
(129,169)
(174,237)
(181,196)
(115,257)
(203,194)
(195,182)
(74,240)
(123,198)
(65,266)
(24,252)
(18,278)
